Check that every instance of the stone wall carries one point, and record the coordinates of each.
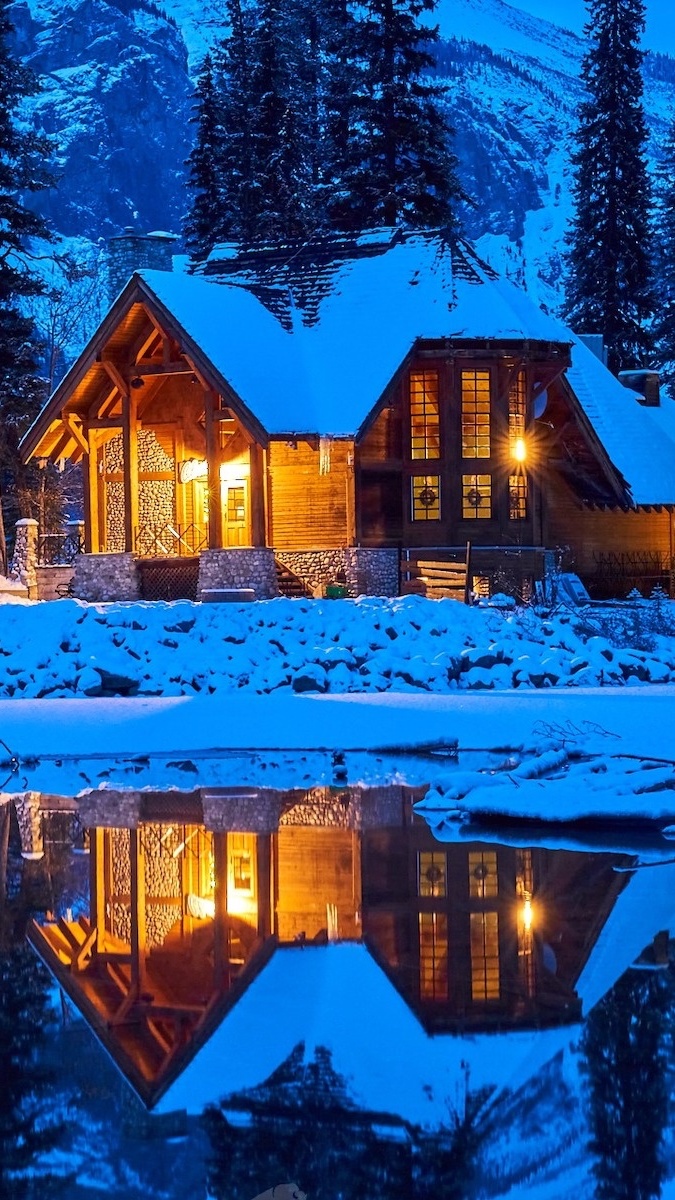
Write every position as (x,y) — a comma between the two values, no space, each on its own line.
(243,567)
(50,580)
(24,559)
(105,577)
(156,497)
(368,572)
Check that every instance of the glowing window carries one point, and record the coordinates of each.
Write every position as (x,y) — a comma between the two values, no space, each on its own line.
(517,408)
(433,934)
(484,936)
(475,414)
(517,497)
(483,879)
(426,498)
(476,497)
(424,418)
(431,873)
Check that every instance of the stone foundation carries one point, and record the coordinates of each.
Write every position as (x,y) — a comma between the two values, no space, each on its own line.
(368,572)
(100,577)
(244,567)
(52,582)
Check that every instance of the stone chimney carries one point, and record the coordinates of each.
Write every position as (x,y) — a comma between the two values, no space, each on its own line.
(645,383)
(132,251)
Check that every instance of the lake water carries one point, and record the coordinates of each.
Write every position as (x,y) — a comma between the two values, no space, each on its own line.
(217,988)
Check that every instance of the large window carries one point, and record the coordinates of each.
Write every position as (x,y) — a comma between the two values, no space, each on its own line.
(424,415)
(431,873)
(426,498)
(484,933)
(517,409)
(475,414)
(476,496)
(433,934)
(518,497)
(483,879)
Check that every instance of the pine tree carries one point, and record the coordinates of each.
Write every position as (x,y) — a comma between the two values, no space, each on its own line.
(204,165)
(624,1047)
(22,171)
(609,276)
(664,331)
(400,167)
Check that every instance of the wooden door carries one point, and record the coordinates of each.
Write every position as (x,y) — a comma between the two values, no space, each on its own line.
(235,512)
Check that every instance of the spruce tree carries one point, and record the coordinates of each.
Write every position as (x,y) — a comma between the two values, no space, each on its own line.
(22,172)
(624,1047)
(204,166)
(664,330)
(609,276)
(400,167)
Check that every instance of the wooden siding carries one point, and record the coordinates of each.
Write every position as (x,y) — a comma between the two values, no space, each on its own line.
(308,510)
(317,868)
(601,531)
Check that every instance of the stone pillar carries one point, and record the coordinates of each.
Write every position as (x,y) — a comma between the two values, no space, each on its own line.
(29,816)
(25,557)
(105,577)
(239,567)
(76,534)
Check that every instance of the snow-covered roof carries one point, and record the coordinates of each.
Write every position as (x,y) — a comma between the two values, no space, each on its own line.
(341,329)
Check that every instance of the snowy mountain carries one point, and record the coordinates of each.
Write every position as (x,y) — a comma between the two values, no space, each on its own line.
(116,78)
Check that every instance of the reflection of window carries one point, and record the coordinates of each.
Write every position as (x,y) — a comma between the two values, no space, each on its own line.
(475,414)
(426,498)
(424,419)
(483,881)
(517,408)
(433,932)
(431,873)
(517,497)
(476,496)
(484,932)
(241,863)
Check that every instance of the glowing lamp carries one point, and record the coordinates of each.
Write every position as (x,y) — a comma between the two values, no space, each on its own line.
(519,450)
(527,915)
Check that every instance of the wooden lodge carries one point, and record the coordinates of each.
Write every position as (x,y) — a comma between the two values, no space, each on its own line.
(206,894)
(292,414)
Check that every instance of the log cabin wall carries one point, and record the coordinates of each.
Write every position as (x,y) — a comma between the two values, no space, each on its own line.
(310,494)
(593,532)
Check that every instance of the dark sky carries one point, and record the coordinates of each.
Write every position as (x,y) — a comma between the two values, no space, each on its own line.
(660,34)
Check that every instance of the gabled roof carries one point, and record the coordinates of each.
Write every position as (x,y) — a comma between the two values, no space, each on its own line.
(307,338)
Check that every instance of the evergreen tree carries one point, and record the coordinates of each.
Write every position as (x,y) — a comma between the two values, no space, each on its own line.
(624,1047)
(609,275)
(664,330)
(204,165)
(400,168)
(22,171)
(28,1130)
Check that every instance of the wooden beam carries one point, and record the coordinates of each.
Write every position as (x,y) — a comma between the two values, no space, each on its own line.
(130,444)
(76,431)
(97,884)
(220,922)
(213,457)
(146,368)
(257,501)
(138,937)
(115,375)
(107,423)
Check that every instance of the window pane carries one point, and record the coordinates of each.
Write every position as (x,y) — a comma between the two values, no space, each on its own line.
(433,933)
(475,414)
(517,408)
(483,881)
(426,498)
(517,497)
(431,873)
(424,419)
(476,496)
(484,933)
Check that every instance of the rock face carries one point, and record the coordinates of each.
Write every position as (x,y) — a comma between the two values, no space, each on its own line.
(116,98)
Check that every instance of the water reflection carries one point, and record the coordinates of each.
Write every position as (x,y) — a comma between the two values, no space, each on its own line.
(317,971)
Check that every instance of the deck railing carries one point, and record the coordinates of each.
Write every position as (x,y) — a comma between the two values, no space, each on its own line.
(60,549)
(170,540)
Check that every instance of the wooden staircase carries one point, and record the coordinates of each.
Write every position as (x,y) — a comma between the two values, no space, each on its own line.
(289,584)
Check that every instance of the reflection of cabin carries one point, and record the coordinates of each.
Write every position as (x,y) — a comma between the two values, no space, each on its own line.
(326,405)
(182,918)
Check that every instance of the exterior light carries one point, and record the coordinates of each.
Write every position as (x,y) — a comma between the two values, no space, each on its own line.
(527,915)
(519,450)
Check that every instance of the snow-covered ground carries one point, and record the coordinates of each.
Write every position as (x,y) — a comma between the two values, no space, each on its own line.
(555,717)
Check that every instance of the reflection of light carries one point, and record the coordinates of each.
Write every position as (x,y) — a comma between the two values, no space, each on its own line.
(519,450)
(237,904)
(527,915)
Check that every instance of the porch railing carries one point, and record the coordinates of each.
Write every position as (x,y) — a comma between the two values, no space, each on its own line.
(170,540)
(59,549)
